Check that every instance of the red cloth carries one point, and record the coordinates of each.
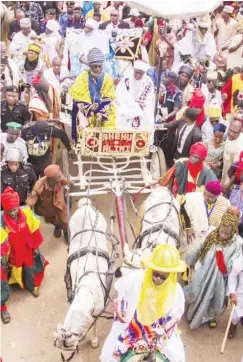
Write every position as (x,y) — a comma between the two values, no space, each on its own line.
(14,226)
(220,261)
(38,277)
(148,36)
(200,150)
(194,169)
(227,89)
(4,248)
(239,168)
(138,23)
(36,79)
(22,245)
(3,309)
(10,199)
(197,101)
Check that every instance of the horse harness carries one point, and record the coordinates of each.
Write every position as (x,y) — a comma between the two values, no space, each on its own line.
(85,251)
(159,226)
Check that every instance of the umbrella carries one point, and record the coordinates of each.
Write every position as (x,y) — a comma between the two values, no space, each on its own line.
(176,9)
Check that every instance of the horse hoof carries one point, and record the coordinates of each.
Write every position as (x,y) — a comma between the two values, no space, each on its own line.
(95,342)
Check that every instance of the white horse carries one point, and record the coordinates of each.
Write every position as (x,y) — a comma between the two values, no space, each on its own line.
(87,269)
(160,224)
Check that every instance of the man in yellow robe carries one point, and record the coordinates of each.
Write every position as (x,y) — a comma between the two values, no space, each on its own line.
(93,94)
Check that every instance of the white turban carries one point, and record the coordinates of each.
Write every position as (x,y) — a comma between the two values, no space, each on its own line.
(25,23)
(140,65)
(92,23)
(228,9)
(52,25)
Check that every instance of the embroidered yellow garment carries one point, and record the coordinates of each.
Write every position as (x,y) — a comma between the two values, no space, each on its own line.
(80,93)
(155,301)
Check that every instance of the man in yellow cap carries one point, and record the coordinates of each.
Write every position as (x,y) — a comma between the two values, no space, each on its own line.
(149,306)
(214,116)
(29,68)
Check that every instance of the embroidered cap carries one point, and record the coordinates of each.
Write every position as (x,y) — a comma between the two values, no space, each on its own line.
(95,56)
(14,126)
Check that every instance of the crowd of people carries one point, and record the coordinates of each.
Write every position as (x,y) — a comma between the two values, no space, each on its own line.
(109,65)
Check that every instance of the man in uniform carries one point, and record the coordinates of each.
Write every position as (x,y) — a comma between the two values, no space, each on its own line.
(12,110)
(38,137)
(12,139)
(16,174)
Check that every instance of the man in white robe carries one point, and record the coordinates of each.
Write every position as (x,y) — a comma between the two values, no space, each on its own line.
(135,100)
(202,210)
(232,150)
(139,304)
(210,90)
(78,44)
(225,28)
(235,291)
(52,40)
(9,67)
(203,42)
(21,40)
(56,74)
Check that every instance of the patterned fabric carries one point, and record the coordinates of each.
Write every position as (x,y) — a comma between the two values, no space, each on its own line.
(34,12)
(230,219)
(80,92)
(215,155)
(208,287)
(136,333)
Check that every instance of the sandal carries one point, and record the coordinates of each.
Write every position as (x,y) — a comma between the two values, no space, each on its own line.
(5,316)
(212,324)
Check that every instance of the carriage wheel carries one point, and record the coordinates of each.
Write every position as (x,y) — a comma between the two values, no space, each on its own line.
(158,164)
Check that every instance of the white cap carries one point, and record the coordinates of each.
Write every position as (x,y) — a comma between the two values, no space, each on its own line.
(141,65)
(228,9)
(25,23)
(204,21)
(92,23)
(52,25)
(212,75)
(134,12)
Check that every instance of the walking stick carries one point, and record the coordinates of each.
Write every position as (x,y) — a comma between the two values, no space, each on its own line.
(227,329)
(158,87)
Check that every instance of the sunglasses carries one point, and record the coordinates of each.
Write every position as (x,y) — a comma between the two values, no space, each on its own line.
(159,276)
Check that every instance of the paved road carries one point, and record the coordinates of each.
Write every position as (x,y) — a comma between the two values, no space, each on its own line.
(29,336)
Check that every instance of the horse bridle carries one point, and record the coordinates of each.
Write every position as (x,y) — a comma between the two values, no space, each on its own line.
(159,226)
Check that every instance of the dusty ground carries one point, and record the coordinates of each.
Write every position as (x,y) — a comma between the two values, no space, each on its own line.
(29,336)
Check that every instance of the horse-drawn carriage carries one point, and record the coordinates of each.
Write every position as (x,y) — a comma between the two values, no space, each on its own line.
(116,163)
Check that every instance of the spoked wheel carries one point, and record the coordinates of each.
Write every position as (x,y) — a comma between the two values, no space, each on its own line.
(158,164)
